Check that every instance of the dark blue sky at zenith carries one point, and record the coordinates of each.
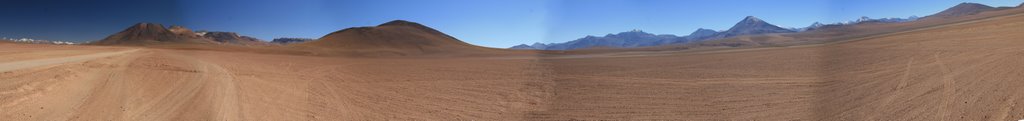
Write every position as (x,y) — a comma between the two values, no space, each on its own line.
(492,23)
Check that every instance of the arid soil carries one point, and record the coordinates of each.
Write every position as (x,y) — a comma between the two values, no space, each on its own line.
(965,71)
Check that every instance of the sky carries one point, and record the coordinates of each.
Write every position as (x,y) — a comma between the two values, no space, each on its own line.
(491,23)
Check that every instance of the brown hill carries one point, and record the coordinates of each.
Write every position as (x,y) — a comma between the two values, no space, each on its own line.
(155,34)
(141,33)
(395,38)
(963,9)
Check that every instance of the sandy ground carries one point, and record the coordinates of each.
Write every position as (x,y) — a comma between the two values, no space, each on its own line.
(970,71)
(158,84)
(10,66)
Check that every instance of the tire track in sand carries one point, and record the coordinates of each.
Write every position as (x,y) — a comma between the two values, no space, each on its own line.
(227,106)
(947,88)
(218,85)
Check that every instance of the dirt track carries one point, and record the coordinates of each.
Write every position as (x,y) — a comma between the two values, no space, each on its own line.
(968,71)
(9,66)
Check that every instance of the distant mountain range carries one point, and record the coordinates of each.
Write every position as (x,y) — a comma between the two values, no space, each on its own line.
(36,41)
(232,38)
(635,38)
(748,26)
(291,40)
(861,20)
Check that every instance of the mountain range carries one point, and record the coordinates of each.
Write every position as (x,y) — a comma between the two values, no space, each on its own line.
(153,33)
(635,38)
(232,38)
(35,41)
(861,20)
(827,33)
(402,38)
(291,40)
(750,25)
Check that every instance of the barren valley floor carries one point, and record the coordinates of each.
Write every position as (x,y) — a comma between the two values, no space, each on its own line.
(969,71)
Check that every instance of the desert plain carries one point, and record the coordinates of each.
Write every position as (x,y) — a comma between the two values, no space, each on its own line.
(971,70)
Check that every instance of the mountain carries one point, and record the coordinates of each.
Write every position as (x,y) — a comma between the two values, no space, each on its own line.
(232,38)
(524,47)
(813,26)
(963,9)
(750,26)
(701,33)
(863,19)
(152,33)
(291,40)
(393,38)
(534,46)
(144,33)
(182,31)
(635,38)
(539,45)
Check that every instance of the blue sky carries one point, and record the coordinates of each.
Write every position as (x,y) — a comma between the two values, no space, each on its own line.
(492,23)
